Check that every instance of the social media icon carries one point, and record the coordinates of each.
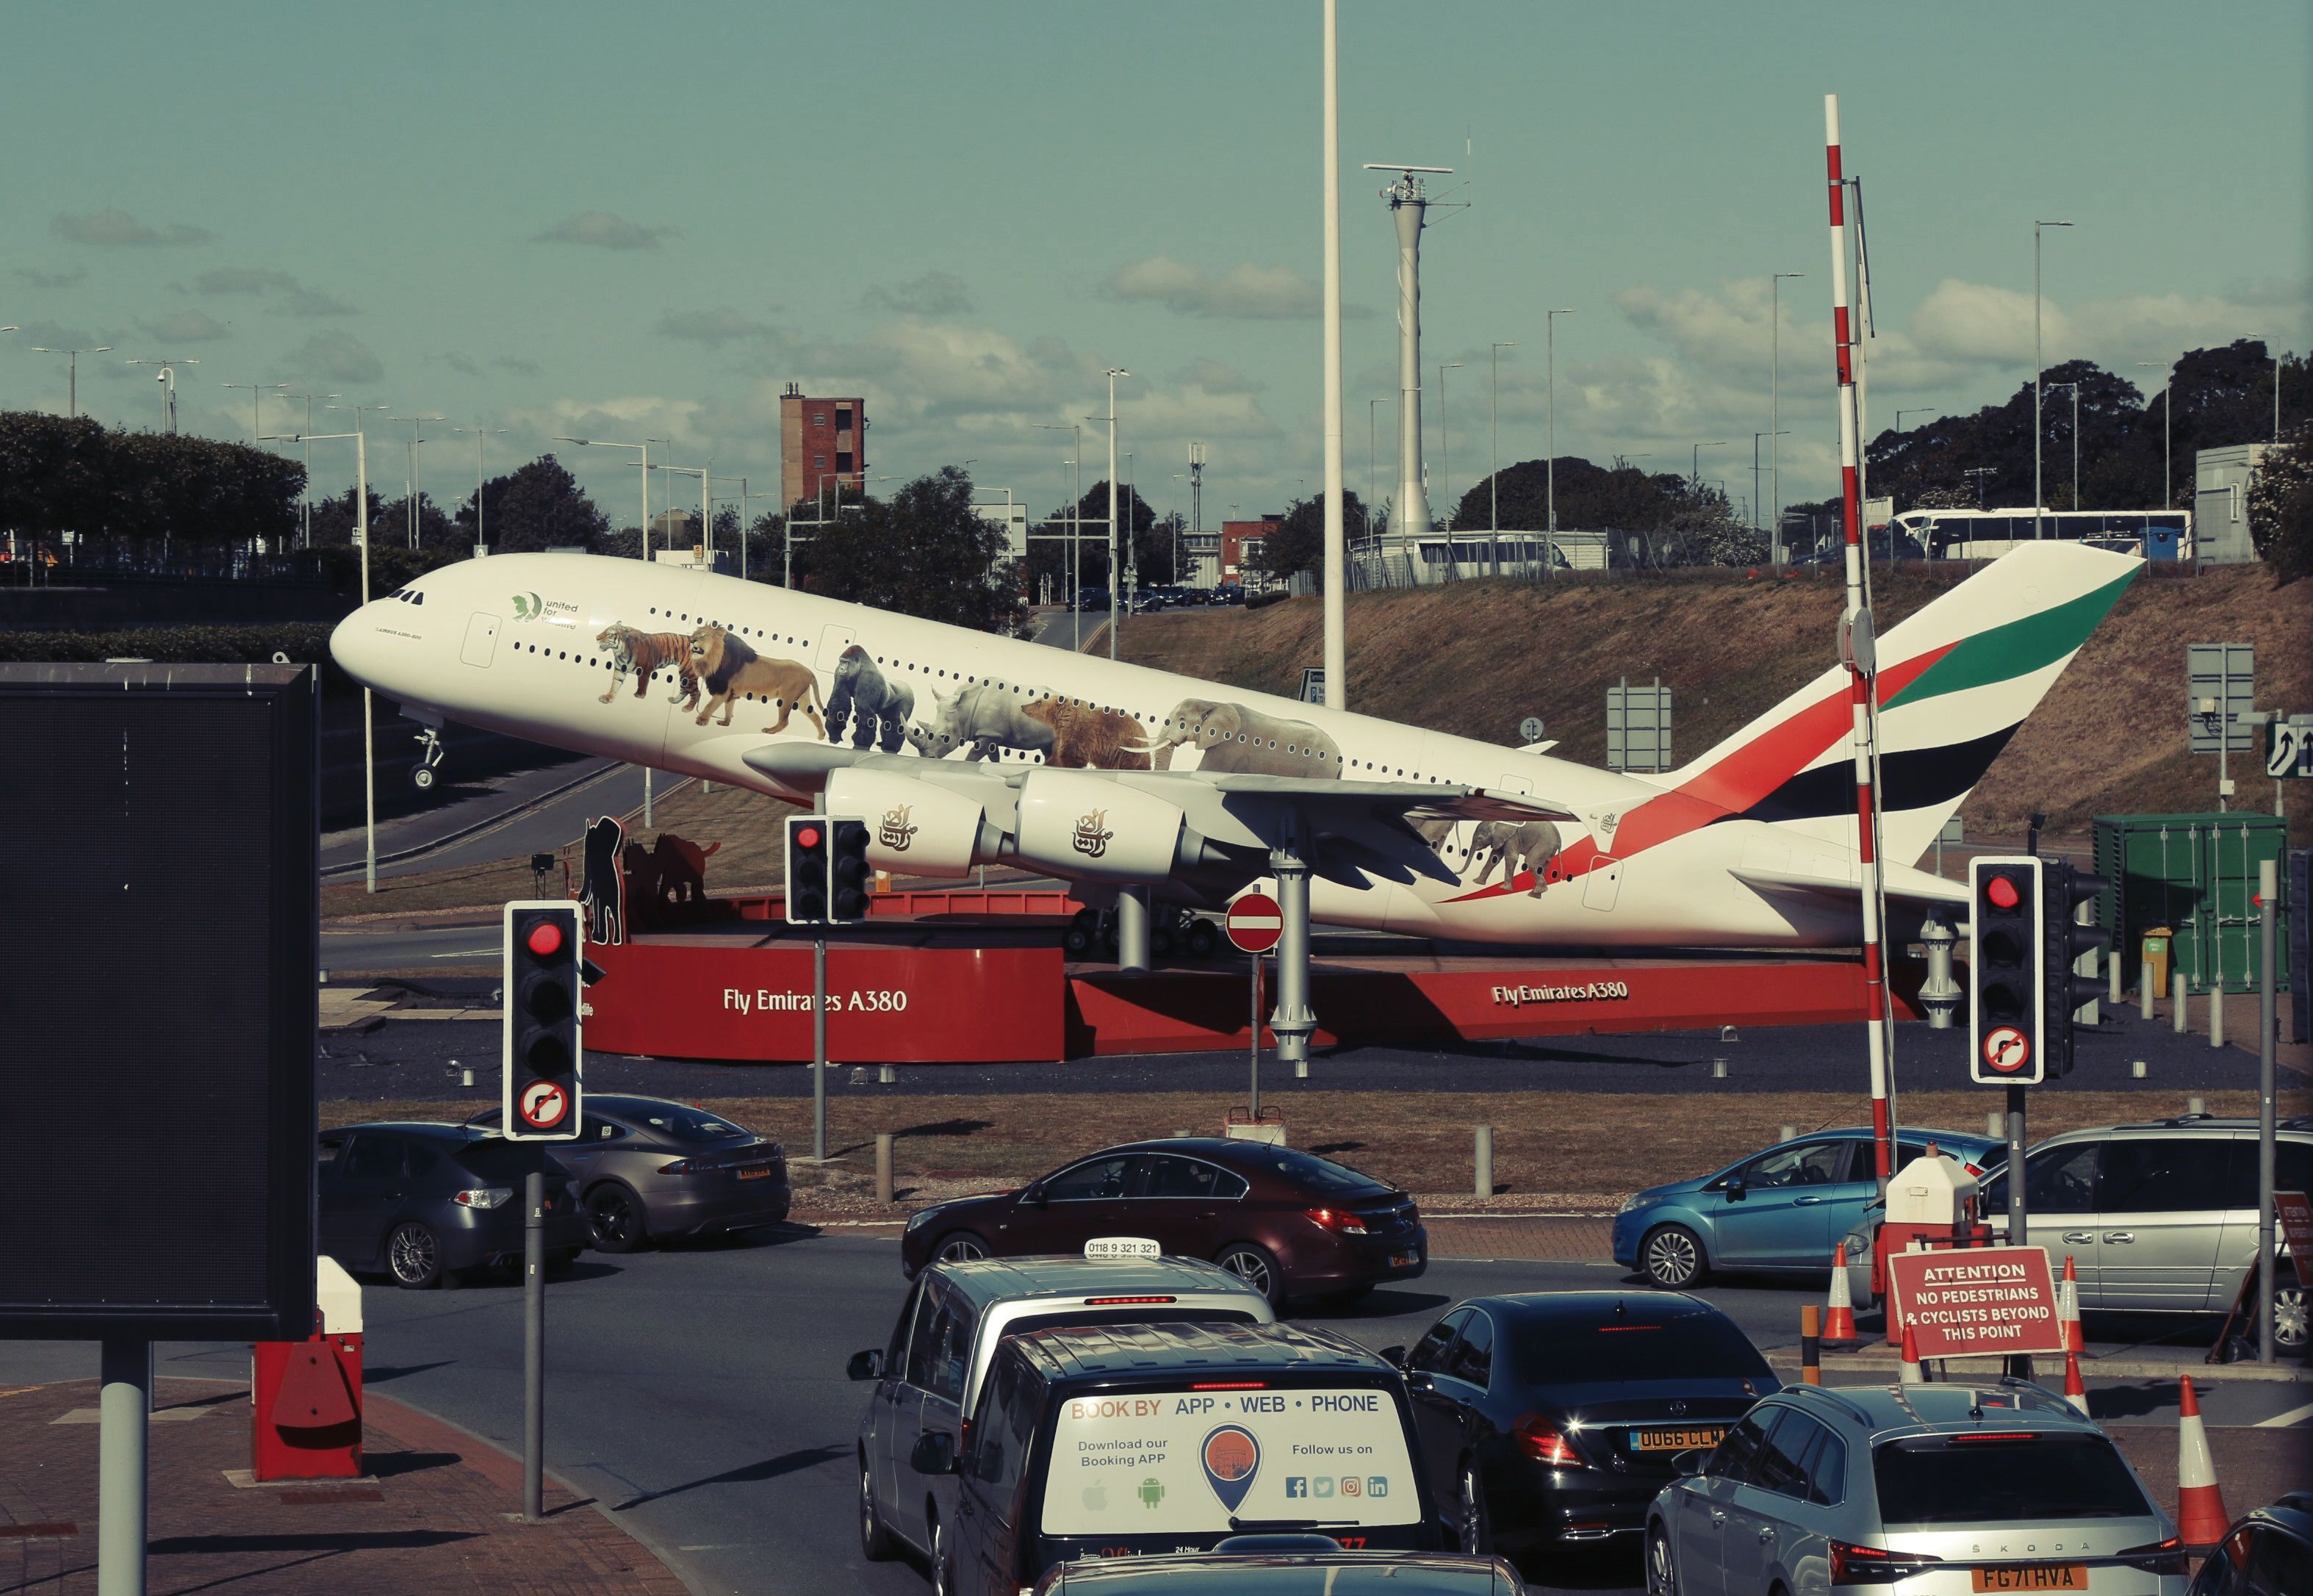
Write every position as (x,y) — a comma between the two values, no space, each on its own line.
(1297,1485)
(1349,1487)
(1324,1485)
(1378,1485)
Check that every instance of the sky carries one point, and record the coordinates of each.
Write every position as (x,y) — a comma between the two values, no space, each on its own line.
(617,222)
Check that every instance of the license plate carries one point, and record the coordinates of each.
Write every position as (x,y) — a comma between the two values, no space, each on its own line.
(1677,1440)
(2032,1576)
(755,1174)
(1404,1260)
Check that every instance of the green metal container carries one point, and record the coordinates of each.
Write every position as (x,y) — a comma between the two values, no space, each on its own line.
(2197,874)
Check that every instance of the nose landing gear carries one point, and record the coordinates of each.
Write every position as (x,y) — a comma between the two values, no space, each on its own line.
(426,771)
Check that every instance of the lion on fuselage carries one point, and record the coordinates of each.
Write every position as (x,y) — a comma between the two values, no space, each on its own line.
(729,667)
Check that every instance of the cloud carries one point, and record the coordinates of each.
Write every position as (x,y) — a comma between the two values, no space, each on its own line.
(1243,292)
(517,364)
(117,228)
(1214,377)
(187,327)
(934,293)
(603,230)
(712,328)
(282,291)
(33,277)
(336,356)
(460,363)
(56,336)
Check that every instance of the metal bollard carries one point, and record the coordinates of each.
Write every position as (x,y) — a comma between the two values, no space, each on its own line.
(2111,969)
(2196,1106)
(2136,1068)
(883,1167)
(2176,1002)
(1485,1161)
(1810,1344)
(1995,1125)
(2144,990)
(1787,1133)
(2217,1016)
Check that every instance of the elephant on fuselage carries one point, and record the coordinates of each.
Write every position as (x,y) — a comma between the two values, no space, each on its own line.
(1229,736)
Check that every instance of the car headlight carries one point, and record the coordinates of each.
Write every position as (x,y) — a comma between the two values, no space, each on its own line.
(921,1216)
(1630,1202)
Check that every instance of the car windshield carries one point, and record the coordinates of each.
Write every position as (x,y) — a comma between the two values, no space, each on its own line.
(2028,1477)
(679,1123)
(1650,1340)
(1312,1173)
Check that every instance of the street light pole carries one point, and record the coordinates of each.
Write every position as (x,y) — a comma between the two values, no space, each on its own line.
(257,391)
(1446,469)
(1550,471)
(369,718)
(167,378)
(2037,226)
(71,371)
(1775,416)
(1115,594)
(2075,387)
(643,548)
(481,536)
(1694,465)
(2168,498)
(1333,653)
(1494,479)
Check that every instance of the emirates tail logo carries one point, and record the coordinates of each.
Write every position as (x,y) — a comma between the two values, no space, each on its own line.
(1093,834)
(896,831)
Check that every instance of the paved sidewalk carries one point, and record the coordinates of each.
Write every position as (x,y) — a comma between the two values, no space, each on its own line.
(439,1513)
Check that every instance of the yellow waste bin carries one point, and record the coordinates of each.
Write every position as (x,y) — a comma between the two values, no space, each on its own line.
(2156,955)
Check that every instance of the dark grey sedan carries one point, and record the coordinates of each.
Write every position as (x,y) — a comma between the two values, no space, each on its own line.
(646,1168)
(427,1203)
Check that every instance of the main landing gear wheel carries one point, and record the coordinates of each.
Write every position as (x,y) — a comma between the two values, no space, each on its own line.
(1084,926)
(1203,941)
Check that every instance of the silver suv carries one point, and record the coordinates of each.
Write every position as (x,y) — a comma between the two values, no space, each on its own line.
(1941,1489)
(2159,1217)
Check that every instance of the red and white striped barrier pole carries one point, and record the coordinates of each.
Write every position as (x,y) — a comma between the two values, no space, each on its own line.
(1860,666)
(2200,1517)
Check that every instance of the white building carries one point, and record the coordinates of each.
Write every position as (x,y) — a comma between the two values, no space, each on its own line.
(2221,480)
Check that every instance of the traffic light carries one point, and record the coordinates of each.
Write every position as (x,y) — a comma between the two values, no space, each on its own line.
(807,878)
(847,870)
(545,984)
(2005,947)
(2063,943)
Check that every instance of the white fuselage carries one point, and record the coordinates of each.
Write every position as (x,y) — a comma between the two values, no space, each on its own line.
(516,643)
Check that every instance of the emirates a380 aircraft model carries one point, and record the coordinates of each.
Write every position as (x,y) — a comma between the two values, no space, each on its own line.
(964,748)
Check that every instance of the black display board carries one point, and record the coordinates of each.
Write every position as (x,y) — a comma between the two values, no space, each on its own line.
(158,929)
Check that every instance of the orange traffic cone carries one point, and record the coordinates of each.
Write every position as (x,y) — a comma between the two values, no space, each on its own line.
(2201,1516)
(2067,1308)
(1912,1375)
(1839,1316)
(2075,1390)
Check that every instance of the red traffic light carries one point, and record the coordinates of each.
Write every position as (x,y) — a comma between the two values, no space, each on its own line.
(545,938)
(2003,893)
(808,837)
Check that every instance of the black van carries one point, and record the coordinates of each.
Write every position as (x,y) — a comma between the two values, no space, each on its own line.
(1124,1439)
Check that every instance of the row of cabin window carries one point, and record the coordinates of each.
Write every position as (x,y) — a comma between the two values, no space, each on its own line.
(1163,724)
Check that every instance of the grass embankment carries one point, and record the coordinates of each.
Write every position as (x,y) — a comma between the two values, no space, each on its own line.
(1580,1151)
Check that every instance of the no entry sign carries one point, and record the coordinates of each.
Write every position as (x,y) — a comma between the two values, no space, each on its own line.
(1976,1301)
(1256,922)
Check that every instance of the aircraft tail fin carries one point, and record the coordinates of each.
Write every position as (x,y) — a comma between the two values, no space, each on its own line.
(1954,682)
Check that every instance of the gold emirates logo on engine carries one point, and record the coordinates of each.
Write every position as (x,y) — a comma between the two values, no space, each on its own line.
(1093,834)
(896,833)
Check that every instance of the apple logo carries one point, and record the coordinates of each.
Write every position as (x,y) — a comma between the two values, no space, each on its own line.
(1095,1498)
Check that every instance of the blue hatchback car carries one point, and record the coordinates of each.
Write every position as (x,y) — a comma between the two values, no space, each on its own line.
(1785,1208)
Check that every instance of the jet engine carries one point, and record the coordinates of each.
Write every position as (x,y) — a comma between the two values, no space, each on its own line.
(913,828)
(1073,824)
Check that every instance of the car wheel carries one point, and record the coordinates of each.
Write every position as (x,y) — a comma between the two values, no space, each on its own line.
(413,1254)
(1470,1514)
(1662,1577)
(1672,1257)
(943,1581)
(614,1218)
(2289,1329)
(876,1542)
(960,1246)
(1254,1267)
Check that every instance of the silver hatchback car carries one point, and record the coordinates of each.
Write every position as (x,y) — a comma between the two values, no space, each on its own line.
(1938,1490)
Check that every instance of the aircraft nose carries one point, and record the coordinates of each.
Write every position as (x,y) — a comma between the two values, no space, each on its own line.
(357,644)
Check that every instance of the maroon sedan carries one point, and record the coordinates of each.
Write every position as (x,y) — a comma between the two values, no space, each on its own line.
(1289,1223)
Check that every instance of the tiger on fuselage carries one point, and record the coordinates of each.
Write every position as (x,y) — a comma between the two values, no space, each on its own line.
(644,652)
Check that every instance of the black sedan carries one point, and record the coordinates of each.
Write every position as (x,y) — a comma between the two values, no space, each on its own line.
(648,1169)
(426,1204)
(1550,1419)
(1288,1222)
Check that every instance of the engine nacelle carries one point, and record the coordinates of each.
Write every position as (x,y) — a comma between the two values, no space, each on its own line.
(1077,824)
(913,828)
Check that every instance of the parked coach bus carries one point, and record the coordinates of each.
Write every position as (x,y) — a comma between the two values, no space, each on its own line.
(1986,534)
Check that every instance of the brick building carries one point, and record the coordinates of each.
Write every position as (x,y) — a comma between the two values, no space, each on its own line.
(1241,543)
(821,441)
